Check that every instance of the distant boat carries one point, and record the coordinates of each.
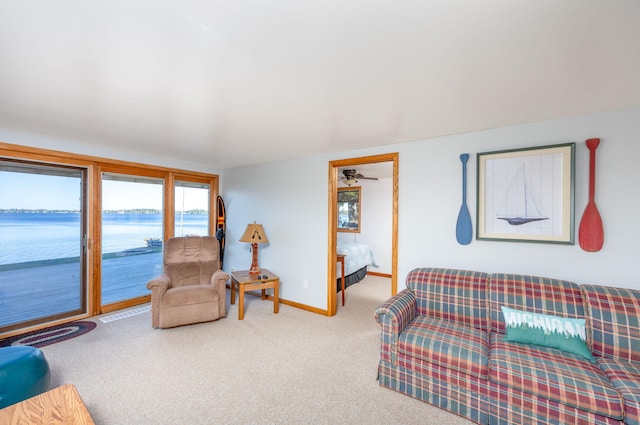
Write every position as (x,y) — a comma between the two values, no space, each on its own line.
(153,242)
(153,245)
(519,205)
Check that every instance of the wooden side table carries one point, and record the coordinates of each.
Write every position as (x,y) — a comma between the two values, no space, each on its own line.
(250,282)
(341,261)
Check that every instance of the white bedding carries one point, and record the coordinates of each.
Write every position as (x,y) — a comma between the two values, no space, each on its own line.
(356,256)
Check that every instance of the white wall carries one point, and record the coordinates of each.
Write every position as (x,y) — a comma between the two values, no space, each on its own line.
(376,221)
(433,197)
(290,198)
(294,210)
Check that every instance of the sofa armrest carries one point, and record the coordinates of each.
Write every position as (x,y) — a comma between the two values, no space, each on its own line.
(219,281)
(219,278)
(158,286)
(393,316)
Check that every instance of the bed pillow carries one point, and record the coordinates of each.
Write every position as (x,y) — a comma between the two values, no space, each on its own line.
(565,334)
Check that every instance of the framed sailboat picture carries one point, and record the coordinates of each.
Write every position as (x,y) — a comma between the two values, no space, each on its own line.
(527,195)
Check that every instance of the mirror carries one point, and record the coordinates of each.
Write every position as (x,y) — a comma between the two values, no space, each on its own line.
(349,209)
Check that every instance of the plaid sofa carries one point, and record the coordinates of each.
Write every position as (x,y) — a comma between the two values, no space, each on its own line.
(613,319)
(442,341)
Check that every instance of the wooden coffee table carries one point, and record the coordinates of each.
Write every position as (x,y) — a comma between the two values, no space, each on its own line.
(61,405)
(252,282)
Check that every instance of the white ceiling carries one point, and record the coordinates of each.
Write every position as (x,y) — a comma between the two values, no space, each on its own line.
(237,82)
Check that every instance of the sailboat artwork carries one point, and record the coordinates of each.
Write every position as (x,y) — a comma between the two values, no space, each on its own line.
(519,205)
(526,195)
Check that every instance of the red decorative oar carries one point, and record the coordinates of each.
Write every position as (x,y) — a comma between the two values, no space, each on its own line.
(591,232)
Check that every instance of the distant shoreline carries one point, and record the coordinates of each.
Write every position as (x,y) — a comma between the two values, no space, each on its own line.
(129,211)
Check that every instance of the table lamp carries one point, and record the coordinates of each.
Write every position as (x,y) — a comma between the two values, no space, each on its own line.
(254,234)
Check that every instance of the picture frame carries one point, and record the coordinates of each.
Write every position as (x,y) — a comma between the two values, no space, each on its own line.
(527,195)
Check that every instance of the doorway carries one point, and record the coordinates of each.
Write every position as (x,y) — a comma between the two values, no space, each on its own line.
(334,166)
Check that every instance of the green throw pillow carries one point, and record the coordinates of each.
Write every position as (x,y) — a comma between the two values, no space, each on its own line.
(565,334)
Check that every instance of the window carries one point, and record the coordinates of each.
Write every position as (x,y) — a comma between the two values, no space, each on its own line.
(191,208)
(132,223)
(81,235)
(349,209)
(42,229)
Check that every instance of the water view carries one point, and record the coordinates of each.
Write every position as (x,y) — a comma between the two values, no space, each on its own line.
(44,275)
(40,273)
(32,236)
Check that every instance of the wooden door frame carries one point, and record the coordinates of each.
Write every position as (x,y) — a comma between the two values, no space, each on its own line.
(332,305)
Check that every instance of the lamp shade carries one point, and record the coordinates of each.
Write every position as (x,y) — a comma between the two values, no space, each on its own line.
(254,233)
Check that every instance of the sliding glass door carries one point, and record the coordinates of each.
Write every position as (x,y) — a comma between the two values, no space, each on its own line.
(132,235)
(42,254)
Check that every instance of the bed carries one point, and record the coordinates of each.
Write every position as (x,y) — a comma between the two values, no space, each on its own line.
(357,258)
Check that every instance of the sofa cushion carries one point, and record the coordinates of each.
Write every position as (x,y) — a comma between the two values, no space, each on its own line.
(184,295)
(625,377)
(448,344)
(534,294)
(547,331)
(614,319)
(554,375)
(451,294)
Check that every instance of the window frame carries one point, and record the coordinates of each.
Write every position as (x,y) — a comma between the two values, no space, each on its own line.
(95,166)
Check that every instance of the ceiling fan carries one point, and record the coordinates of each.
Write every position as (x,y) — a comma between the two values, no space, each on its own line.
(351,177)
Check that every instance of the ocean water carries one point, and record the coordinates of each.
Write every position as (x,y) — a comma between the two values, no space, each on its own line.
(46,236)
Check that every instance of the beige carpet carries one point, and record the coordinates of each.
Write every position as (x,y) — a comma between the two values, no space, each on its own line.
(294,367)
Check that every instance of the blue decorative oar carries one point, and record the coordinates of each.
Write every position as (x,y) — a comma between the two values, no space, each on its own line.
(464,230)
